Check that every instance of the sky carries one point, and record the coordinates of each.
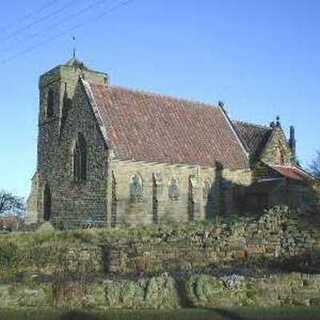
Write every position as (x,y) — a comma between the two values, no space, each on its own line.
(261,58)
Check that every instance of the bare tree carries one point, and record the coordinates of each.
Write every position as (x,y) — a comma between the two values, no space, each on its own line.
(10,203)
(315,165)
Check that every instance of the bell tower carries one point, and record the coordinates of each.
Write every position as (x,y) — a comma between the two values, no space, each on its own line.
(58,85)
(56,88)
(56,92)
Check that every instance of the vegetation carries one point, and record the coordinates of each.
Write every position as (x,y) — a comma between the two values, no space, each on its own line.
(66,269)
(10,204)
(315,166)
(52,251)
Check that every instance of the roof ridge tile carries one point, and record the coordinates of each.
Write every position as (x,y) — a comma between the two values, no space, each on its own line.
(164,96)
(252,124)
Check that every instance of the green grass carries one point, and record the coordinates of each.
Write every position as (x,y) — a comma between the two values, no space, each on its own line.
(184,314)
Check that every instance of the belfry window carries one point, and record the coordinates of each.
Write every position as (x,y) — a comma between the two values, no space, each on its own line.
(50,103)
(80,159)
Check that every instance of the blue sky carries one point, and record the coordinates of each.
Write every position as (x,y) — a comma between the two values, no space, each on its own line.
(262,58)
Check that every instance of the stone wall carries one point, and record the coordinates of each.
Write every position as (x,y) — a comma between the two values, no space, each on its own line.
(260,261)
(164,292)
(201,193)
(277,148)
(274,238)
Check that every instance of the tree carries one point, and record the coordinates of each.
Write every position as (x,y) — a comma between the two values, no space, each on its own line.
(10,203)
(315,166)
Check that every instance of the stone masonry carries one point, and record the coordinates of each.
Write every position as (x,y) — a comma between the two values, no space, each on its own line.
(110,156)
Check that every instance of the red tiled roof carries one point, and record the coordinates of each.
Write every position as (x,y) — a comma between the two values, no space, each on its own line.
(253,136)
(149,127)
(292,172)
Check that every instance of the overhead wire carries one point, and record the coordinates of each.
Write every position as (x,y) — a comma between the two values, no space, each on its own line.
(30,14)
(64,19)
(61,34)
(37,21)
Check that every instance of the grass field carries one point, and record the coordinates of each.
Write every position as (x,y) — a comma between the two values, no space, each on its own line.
(184,314)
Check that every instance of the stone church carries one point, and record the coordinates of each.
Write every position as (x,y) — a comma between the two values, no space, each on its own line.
(111,156)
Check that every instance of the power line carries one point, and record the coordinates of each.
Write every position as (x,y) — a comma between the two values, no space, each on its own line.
(31,14)
(63,20)
(75,27)
(41,19)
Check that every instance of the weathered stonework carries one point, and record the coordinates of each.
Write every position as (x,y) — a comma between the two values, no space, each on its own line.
(72,203)
(83,178)
(272,260)
(278,235)
(277,150)
(171,209)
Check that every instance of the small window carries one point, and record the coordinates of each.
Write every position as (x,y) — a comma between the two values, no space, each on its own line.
(136,189)
(50,103)
(173,191)
(80,159)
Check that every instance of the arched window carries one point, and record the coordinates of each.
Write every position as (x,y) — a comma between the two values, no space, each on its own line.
(66,106)
(190,200)
(155,200)
(173,190)
(136,189)
(46,203)
(80,159)
(114,200)
(50,103)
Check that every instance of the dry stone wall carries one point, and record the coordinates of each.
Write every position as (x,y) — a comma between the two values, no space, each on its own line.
(274,236)
(164,292)
(238,261)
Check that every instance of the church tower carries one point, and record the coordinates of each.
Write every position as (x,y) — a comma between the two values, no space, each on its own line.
(56,92)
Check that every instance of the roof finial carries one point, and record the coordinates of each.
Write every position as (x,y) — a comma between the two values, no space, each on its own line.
(220,104)
(278,123)
(74,47)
